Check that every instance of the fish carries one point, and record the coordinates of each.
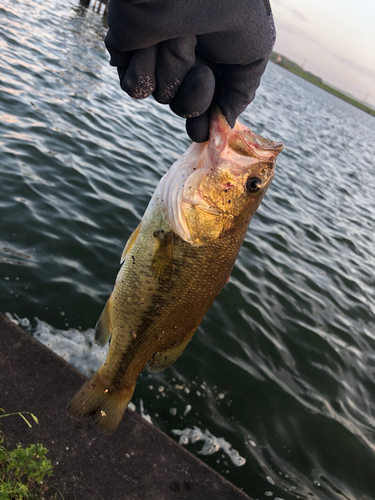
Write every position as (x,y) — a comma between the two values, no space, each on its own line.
(176,263)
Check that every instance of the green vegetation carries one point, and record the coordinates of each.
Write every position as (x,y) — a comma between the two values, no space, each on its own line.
(24,471)
(21,414)
(298,70)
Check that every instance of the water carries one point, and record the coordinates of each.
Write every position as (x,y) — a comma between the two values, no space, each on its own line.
(280,375)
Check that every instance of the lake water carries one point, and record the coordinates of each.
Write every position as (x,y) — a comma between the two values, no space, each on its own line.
(283,366)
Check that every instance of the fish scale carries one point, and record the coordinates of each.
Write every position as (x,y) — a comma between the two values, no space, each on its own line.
(176,263)
(158,329)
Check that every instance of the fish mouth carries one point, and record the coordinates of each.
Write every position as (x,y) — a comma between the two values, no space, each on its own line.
(245,142)
(242,140)
(254,140)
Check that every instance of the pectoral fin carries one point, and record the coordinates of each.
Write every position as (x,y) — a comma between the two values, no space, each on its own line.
(162,360)
(162,259)
(130,242)
(103,329)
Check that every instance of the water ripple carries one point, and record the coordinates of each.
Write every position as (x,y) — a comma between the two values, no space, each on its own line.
(283,366)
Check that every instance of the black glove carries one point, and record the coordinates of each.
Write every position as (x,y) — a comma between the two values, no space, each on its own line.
(158,47)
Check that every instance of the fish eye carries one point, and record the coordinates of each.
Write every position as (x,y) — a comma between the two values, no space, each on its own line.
(254,184)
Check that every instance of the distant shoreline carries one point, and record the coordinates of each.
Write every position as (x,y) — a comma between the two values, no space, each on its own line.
(286,63)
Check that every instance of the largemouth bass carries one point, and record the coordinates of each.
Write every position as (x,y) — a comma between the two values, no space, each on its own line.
(176,263)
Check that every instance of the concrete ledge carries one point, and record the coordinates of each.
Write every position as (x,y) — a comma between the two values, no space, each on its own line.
(137,462)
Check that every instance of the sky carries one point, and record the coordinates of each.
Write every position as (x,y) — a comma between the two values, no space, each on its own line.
(334,39)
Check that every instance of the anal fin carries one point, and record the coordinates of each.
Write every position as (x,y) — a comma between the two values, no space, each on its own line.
(103,329)
(162,360)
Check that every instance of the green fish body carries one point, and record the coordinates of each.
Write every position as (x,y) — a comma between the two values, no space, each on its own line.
(176,263)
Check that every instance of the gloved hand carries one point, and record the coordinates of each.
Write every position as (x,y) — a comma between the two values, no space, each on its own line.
(157,46)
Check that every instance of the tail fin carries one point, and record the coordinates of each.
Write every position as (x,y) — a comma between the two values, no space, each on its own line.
(96,401)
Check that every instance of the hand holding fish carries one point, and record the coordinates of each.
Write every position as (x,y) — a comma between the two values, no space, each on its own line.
(187,52)
(176,263)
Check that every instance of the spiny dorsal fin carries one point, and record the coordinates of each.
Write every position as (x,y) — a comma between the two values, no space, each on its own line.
(130,242)
(103,329)
(162,360)
(162,259)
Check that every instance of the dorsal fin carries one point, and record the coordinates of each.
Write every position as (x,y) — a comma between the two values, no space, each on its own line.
(103,329)
(130,242)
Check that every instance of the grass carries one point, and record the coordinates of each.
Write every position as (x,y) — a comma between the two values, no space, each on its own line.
(24,471)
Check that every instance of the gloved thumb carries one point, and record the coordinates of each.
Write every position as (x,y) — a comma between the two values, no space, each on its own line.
(236,88)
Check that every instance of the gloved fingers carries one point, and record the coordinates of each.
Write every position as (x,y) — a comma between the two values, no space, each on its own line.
(175,59)
(119,59)
(195,94)
(193,100)
(198,128)
(237,87)
(139,79)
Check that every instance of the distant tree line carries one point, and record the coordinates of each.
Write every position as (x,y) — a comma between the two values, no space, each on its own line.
(291,65)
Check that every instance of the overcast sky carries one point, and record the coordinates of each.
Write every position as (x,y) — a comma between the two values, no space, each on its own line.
(334,39)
